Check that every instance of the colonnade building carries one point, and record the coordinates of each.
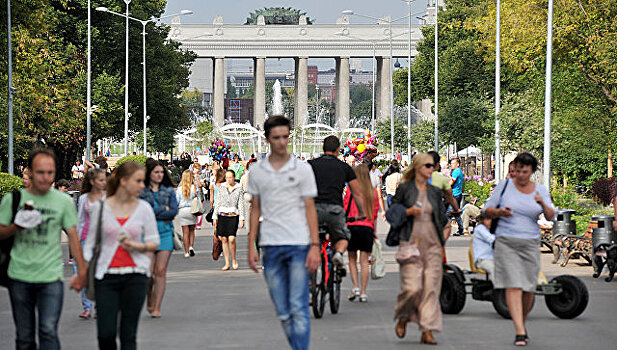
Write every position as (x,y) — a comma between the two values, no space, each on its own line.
(340,41)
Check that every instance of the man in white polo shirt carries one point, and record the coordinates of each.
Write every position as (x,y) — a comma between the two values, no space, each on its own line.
(283,190)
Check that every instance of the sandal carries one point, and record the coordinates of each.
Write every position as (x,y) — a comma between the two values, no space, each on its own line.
(355,293)
(520,340)
(363,298)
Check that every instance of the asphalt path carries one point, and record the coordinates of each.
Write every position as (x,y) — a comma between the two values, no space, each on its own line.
(206,308)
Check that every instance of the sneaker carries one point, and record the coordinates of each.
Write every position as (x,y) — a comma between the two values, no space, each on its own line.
(363,298)
(191,251)
(187,255)
(355,293)
(337,259)
(70,261)
(85,314)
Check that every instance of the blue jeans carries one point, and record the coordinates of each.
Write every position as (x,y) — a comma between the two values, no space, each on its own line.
(47,299)
(86,303)
(288,281)
(389,200)
(459,220)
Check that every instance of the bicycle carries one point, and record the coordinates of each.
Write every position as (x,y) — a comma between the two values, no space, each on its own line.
(326,280)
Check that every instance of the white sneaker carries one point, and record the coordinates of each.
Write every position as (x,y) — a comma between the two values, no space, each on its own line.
(187,255)
(191,251)
(338,259)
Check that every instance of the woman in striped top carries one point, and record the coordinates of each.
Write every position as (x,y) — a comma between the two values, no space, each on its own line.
(228,212)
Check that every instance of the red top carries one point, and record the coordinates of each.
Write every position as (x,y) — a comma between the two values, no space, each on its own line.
(122,258)
(354,210)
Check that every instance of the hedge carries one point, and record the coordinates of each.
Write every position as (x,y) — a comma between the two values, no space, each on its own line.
(141,159)
(9,183)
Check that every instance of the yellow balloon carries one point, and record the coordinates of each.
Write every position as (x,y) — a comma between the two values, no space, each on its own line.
(361,148)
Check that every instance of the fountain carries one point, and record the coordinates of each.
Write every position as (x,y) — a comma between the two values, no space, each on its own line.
(277,99)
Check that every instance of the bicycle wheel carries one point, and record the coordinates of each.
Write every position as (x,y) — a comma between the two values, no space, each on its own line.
(318,291)
(334,288)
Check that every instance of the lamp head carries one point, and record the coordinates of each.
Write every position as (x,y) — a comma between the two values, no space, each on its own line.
(186,12)
(102,9)
(348,12)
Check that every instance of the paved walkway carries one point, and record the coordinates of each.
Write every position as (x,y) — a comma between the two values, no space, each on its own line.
(206,308)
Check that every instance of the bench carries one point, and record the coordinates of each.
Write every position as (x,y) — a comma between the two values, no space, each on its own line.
(574,246)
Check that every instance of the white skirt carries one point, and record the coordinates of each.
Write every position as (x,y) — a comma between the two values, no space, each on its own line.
(185,217)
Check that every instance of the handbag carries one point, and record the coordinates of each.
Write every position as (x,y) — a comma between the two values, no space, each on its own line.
(217,247)
(95,256)
(197,208)
(7,244)
(495,220)
(407,253)
(378,267)
(209,215)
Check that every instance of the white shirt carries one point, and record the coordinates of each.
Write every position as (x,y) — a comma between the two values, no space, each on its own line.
(281,197)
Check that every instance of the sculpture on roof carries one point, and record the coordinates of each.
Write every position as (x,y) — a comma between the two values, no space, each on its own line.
(278,15)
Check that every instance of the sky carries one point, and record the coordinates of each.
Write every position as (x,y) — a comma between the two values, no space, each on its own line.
(320,11)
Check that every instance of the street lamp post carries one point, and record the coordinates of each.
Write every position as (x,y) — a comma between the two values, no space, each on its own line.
(497,92)
(126,83)
(143,23)
(409,84)
(436,80)
(547,97)
(89,92)
(10,88)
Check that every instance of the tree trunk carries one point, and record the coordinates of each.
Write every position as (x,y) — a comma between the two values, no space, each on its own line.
(610,163)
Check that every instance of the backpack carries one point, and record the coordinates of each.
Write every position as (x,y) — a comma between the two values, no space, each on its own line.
(7,244)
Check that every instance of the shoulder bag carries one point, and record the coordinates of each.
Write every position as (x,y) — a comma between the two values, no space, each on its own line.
(378,266)
(495,220)
(7,244)
(197,208)
(95,255)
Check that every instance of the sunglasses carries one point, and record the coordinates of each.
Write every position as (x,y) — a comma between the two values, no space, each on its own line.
(429,165)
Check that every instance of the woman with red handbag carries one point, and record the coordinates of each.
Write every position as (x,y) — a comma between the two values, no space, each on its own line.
(420,252)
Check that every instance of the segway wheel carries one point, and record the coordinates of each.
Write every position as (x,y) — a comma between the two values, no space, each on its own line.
(501,306)
(573,299)
(452,298)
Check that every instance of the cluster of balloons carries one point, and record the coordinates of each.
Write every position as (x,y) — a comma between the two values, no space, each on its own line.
(219,150)
(360,147)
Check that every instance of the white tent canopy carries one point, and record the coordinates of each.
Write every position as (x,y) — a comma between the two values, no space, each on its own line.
(470,151)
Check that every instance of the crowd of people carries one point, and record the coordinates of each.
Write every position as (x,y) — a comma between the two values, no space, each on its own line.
(121,234)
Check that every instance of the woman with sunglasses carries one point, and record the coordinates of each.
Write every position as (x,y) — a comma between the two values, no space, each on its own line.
(418,300)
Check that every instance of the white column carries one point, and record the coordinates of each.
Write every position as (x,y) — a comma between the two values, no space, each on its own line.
(218,91)
(386,102)
(342,106)
(337,78)
(301,91)
(259,100)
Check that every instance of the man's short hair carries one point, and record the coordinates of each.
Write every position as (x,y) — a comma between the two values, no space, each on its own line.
(41,150)
(273,122)
(331,144)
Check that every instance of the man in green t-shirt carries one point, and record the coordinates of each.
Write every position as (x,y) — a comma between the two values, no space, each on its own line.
(35,269)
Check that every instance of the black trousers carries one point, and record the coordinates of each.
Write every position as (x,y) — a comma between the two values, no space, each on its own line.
(124,295)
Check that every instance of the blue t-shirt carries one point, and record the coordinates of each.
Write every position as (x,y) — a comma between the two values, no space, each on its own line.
(457,187)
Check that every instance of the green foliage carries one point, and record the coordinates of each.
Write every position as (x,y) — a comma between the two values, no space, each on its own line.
(480,190)
(140,158)
(231,90)
(461,120)
(9,183)
(400,134)
(423,136)
(205,131)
